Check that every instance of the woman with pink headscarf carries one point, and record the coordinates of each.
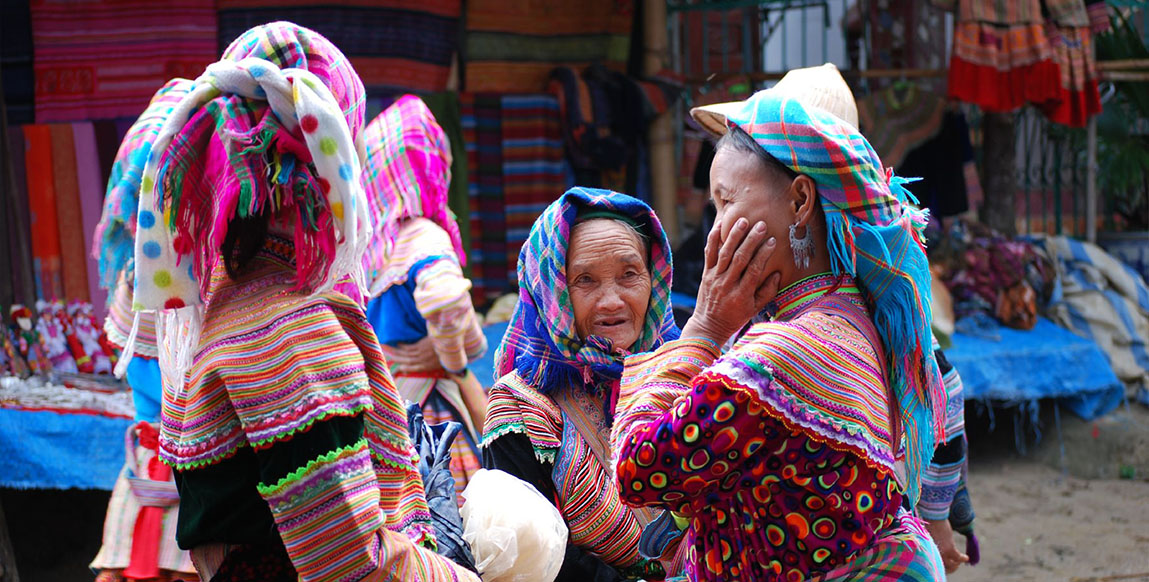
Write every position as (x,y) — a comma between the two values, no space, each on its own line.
(422,311)
(288,440)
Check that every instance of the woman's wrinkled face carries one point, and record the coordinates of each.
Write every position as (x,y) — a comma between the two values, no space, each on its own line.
(608,280)
(742,187)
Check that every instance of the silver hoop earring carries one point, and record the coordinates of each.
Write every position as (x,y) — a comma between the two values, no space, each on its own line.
(803,248)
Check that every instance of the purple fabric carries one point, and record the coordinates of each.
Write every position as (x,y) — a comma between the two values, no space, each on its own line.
(91,203)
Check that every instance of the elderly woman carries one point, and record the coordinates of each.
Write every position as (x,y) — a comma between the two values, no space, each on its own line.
(285,431)
(414,263)
(783,454)
(594,285)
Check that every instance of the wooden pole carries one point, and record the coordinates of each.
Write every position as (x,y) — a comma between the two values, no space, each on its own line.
(1091,180)
(1126,70)
(999,172)
(660,134)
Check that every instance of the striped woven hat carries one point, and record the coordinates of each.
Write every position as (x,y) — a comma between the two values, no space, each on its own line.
(875,233)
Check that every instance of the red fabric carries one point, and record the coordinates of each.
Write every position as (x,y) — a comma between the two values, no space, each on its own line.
(1074,108)
(1004,91)
(144,562)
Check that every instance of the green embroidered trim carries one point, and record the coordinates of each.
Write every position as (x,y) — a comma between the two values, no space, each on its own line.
(346,411)
(298,474)
(501,430)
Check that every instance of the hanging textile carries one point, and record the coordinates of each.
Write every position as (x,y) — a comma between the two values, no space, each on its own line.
(69,219)
(896,122)
(42,211)
(393,45)
(512,46)
(482,130)
(1070,28)
(89,65)
(913,132)
(88,177)
(533,174)
(1002,58)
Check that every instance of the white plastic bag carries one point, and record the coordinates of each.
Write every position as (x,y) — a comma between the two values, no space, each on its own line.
(515,534)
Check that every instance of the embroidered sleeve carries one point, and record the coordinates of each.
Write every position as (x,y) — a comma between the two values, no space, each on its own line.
(401,494)
(535,418)
(442,295)
(676,433)
(402,560)
(942,478)
(327,511)
(300,387)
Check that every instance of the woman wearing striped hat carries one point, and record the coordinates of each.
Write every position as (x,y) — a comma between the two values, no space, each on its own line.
(785,455)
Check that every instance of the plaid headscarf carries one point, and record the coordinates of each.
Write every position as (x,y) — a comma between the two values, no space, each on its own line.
(270,127)
(407,175)
(541,343)
(114,240)
(874,234)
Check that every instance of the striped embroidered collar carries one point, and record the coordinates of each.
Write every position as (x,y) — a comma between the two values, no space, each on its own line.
(791,300)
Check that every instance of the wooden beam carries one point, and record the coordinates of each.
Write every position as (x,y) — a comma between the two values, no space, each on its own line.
(660,134)
(849,74)
(1122,64)
(1121,70)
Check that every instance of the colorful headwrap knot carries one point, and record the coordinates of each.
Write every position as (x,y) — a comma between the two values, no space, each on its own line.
(407,175)
(114,240)
(542,343)
(269,128)
(874,234)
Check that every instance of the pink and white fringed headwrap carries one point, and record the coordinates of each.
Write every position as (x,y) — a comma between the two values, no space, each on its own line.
(270,129)
(407,175)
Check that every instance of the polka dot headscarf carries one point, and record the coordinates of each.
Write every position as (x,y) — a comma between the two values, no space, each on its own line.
(270,127)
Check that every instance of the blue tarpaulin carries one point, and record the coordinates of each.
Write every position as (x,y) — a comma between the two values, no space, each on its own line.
(49,450)
(1045,362)
(484,368)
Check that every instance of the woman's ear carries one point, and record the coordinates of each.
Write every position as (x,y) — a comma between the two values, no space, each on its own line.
(804,197)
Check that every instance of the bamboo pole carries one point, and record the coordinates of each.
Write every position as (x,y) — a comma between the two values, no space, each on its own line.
(1123,70)
(1117,65)
(660,134)
(1091,180)
(1124,75)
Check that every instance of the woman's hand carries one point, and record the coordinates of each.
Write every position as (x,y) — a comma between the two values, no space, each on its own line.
(735,285)
(417,357)
(943,536)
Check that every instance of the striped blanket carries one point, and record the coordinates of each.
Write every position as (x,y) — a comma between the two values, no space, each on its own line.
(99,59)
(482,131)
(393,45)
(60,182)
(516,168)
(1105,300)
(512,46)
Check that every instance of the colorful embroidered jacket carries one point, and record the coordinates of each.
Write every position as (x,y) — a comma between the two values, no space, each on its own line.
(945,474)
(289,407)
(423,293)
(778,452)
(539,440)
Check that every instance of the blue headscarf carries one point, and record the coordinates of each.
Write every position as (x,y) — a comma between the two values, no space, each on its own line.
(541,343)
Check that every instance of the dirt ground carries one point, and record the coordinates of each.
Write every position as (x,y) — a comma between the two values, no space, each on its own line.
(1039,519)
